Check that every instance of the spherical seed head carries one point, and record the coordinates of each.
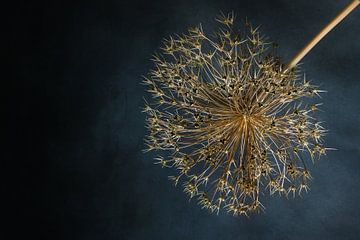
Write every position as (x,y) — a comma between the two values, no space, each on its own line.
(228,118)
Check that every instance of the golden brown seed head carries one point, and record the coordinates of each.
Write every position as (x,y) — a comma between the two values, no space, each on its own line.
(229,118)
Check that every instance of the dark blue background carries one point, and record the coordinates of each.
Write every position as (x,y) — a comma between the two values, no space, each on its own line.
(73,166)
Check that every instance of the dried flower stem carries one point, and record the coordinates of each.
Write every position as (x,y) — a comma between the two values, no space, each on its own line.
(346,11)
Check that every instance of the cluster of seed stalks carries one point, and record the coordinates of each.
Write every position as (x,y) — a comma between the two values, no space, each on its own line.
(229,117)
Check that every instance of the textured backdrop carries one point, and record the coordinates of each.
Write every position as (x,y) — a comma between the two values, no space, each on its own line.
(75,127)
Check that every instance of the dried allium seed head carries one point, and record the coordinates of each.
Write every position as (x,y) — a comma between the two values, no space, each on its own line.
(230,119)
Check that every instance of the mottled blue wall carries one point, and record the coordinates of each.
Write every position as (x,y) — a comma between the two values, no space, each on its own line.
(78,85)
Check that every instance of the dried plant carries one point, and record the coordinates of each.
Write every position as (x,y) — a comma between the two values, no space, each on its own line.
(229,117)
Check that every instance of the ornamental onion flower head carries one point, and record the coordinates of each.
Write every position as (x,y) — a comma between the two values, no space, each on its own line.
(228,116)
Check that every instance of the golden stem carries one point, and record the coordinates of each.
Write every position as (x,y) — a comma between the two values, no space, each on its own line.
(346,11)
